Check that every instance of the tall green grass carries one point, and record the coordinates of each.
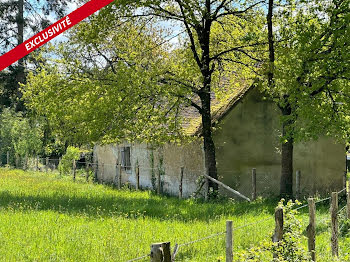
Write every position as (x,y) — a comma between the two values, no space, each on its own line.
(47,218)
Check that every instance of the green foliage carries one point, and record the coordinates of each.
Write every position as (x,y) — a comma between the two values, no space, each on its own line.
(344,222)
(66,164)
(311,68)
(104,84)
(125,73)
(19,135)
(290,249)
(345,227)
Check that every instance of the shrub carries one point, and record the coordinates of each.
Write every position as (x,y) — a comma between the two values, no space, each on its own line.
(290,249)
(19,135)
(72,153)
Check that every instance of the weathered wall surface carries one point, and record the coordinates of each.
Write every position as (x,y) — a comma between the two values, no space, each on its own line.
(322,164)
(248,137)
(108,156)
(166,159)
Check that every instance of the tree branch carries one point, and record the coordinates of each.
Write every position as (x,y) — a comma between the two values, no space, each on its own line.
(238,48)
(189,32)
(231,12)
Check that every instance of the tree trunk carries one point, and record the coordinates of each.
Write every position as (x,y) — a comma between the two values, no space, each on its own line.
(204,94)
(286,182)
(209,147)
(20,39)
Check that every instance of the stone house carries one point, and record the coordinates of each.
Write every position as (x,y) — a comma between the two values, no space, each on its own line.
(247,133)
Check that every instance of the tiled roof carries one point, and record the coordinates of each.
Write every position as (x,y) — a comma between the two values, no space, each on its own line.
(192,123)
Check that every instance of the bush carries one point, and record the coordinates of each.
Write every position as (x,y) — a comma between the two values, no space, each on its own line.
(290,249)
(65,166)
(19,135)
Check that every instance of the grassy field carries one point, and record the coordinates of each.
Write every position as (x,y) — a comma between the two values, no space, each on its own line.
(47,218)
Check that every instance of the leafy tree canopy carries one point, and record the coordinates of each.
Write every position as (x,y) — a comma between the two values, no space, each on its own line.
(104,86)
(312,72)
(19,135)
(118,77)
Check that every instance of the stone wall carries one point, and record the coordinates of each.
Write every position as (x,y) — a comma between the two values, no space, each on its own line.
(167,159)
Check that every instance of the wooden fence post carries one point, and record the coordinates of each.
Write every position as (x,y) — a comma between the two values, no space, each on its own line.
(160,252)
(37,163)
(278,235)
(137,177)
(206,185)
(311,228)
(181,181)
(8,158)
(87,164)
(47,164)
(116,174)
(120,176)
(229,241)
(25,166)
(17,160)
(297,184)
(74,169)
(334,225)
(95,171)
(159,183)
(253,184)
(348,199)
(102,172)
(345,178)
(59,169)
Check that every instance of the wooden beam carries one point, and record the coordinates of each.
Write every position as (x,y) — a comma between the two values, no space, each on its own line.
(254,184)
(137,177)
(229,241)
(227,187)
(334,224)
(181,179)
(311,229)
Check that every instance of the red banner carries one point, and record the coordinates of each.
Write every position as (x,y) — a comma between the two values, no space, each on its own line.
(51,32)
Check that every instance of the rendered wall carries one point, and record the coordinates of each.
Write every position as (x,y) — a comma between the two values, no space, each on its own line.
(248,137)
(166,159)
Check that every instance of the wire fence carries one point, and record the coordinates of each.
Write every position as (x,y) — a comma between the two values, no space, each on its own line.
(215,235)
(52,163)
(159,178)
(255,223)
(139,258)
(264,185)
(320,201)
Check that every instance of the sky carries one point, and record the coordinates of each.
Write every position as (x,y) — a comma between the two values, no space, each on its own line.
(176,28)
(37,14)
(34,11)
